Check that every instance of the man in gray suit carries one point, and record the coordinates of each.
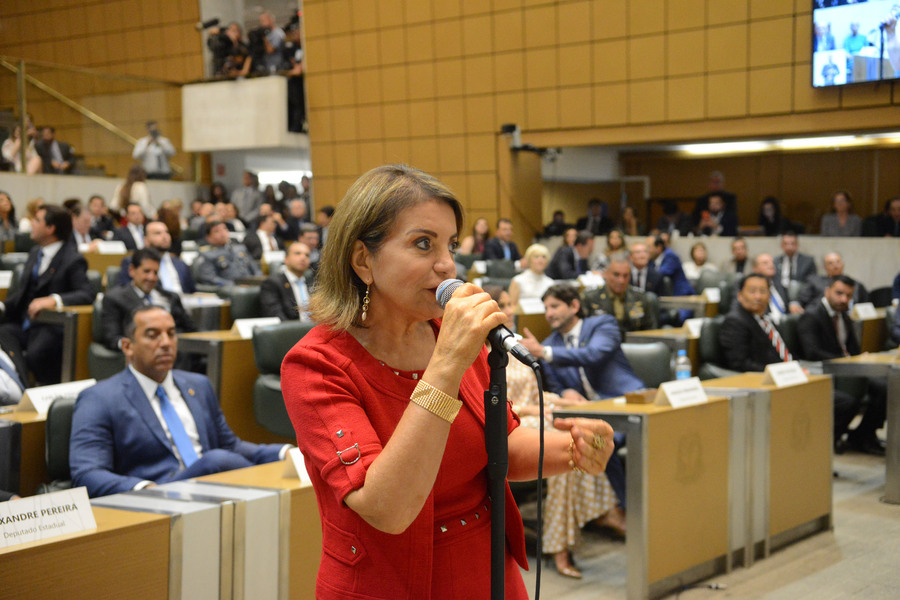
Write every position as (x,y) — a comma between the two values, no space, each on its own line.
(792,264)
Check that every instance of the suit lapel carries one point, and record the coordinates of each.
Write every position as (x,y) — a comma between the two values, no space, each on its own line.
(135,395)
(193,403)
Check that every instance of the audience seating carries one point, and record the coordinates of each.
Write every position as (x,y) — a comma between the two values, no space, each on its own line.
(500,268)
(652,304)
(59,430)
(789,333)
(710,351)
(112,274)
(96,280)
(102,362)
(501,281)
(881,297)
(270,345)
(244,301)
(467,260)
(651,362)
(24,243)
(16,275)
(793,289)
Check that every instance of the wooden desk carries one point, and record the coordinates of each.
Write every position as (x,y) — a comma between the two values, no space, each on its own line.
(76,322)
(232,371)
(884,365)
(305,541)
(676,338)
(791,438)
(100,262)
(127,556)
(872,333)
(696,303)
(678,481)
(536,323)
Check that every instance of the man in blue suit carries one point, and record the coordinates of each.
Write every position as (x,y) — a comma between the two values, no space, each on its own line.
(583,358)
(151,424)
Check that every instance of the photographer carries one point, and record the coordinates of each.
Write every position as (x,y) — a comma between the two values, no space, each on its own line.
(154,151)
(267,44)
(231,58)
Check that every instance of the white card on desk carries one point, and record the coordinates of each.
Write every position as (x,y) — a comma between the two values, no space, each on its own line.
(244,327)
(681,392)
(531,306)
(5,278)
(694,326)
(111,247)
(865,310)
(270,256)
(45,516)
(295,466)
(39,399)
(784,373)
(712,294)
(480,266)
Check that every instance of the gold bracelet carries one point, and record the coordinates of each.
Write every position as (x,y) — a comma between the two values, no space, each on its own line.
(572,464)
(435,401)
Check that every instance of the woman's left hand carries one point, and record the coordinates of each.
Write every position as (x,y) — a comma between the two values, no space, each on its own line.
(593,443)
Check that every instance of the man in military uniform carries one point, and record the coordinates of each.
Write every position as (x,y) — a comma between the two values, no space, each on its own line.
(222,261)
(626,303)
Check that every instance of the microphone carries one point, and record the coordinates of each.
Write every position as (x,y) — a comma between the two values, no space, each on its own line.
(499,337)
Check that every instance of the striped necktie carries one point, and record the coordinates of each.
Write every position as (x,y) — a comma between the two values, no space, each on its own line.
(776,339)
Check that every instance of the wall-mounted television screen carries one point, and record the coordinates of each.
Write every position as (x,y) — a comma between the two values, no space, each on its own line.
(855,41)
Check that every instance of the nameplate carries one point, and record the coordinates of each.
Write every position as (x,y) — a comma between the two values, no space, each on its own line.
(591,280)
(865,310)
(188,245)
(272,256)
(712,294)
(531,306)
(200,300)
(5,278)
(295,466)
(111,247)
(681,392)
(694,326)
(784,373)
(480,266)
(39,399)
(244,327)
(45,516)
(189,257)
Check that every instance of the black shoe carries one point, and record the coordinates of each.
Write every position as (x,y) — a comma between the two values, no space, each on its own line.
(840,446)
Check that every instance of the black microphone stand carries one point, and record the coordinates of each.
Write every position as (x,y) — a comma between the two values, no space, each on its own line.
(495,442)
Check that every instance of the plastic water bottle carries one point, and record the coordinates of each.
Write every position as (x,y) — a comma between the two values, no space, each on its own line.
(682,365)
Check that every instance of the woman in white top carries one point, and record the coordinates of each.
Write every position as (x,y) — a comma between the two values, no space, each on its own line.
(134,189)
(698,262)
(531,283)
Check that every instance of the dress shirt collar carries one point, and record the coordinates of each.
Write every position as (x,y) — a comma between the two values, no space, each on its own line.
(49,251)
(148,386)
(576,331)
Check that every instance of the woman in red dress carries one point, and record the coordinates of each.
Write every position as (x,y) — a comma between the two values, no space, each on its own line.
(386,398)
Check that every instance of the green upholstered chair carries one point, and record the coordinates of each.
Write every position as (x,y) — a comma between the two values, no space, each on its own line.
(651,362)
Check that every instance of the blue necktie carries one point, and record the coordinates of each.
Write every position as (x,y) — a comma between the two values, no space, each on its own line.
(507,254)
(36,268)
(176,428)
(12,373)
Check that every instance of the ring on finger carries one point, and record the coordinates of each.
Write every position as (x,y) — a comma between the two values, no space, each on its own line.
(599,442)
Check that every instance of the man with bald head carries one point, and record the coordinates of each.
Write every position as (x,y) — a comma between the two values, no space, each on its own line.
(815,286)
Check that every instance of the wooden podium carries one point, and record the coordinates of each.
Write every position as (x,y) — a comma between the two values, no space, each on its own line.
(678,481)
(32,461)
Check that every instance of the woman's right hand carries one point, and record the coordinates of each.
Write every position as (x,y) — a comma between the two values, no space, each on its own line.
(468,318)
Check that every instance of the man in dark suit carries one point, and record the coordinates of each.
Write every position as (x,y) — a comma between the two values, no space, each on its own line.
(174,275)
(297,216)
(263,238)
(596,221)
(750,341)
(501,245)
(132,235)
(581,350)
(718,219)
(815,286)
(626,303)
(56,156)
(826,332)
(101,222)
(667,264)
(55,275)
(569,262)
(152,424)
(793,265)
(643,276)
(285,294)
(119,302)
(738,263)
(779,301)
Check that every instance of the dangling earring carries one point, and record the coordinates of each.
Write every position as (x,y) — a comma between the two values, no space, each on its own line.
(365,306)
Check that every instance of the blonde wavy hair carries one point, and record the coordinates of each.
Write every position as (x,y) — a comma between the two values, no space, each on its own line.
(367,213)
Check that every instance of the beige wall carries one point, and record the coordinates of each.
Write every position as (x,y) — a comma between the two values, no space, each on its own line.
(430,83)
(143,38)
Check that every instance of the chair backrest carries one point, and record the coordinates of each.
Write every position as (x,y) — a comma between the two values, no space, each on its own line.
(24,243)
(501,281)
(500,268)
(651,362)
(112,274)
(272,343)
(17,270)
(788,328)
(467,260)
(244,301)
(97,320)
(666,286)
(96,280)
(793,289)
(708,344)
(651,301)
(59,430)
(881,297)
(710,279)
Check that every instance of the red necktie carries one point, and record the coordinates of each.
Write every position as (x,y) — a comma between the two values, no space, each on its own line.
(777,341)
(837,334)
